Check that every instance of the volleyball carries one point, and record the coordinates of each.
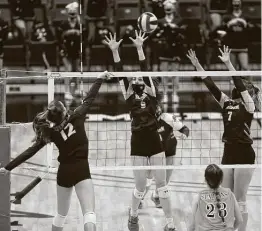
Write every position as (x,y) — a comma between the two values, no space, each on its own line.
(147,22)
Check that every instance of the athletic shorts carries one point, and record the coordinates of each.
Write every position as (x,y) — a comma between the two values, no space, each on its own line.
(238,153)
(170,147)
(69,174)
(146,143)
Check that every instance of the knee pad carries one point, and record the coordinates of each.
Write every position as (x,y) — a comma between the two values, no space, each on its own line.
(163,192)
(90,217)
(242,206)
(138,194)
(148,182)
(59,221)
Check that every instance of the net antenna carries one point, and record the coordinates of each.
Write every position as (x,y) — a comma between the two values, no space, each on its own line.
(81,49)
(51,96)
(3,97)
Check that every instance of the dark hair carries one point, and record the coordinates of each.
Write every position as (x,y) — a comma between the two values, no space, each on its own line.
(214,177)
(41,127)
(56,111)
(253,91)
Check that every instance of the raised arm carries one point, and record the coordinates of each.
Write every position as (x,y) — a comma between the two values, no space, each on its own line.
(114,46)
(212,87)
(24,156)
(238,82)
(150,87)
(91,95)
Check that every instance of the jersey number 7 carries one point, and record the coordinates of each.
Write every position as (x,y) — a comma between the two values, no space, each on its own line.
(67,131)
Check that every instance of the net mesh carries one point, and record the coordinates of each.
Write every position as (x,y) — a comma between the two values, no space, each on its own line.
(108,124)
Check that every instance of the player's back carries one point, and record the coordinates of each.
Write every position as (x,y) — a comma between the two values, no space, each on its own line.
(71,140)
(207,216)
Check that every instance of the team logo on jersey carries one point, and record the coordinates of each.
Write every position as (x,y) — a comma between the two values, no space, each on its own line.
(233,107)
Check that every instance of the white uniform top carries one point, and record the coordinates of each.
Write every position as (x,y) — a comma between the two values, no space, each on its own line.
(207,217)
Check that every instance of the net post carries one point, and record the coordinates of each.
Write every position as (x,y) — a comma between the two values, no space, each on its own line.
(3,96)
(5,205)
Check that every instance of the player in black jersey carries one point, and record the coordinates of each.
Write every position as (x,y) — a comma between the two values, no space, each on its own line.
(67,131)
(237,115)
(146,145)
(170,128)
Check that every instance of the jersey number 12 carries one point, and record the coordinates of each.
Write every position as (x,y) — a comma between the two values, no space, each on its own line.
(67,131)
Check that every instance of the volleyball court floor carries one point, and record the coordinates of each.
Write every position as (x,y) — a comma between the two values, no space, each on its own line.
(113,189)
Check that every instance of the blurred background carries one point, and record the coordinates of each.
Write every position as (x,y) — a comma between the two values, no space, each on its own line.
(38,35)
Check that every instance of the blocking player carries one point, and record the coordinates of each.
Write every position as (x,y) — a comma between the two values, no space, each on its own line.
(237,115)
(69,135)
(170,128)
(146,146)
(216,207)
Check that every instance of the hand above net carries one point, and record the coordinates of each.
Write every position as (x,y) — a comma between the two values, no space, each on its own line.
(105,75)
(225,54)
(139,40)
(112,43)
(192,57)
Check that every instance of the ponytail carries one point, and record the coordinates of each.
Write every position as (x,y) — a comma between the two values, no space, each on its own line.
(220,212)
(214,177)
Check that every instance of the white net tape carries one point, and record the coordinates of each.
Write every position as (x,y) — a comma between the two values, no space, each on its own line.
(57,75)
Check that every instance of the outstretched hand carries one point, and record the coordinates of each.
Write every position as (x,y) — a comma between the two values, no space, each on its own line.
(225,54)
(192,56)
(105,75)
(139,40)
(112,43)
(3,171)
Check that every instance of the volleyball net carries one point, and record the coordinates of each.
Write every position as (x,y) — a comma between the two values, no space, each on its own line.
(108,124)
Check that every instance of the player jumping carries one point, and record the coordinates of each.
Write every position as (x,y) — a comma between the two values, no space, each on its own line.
(237,117)
(69,135)
(146,145)
(170,128)
(216,208)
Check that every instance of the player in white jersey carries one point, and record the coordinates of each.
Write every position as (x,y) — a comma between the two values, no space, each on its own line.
(216,207)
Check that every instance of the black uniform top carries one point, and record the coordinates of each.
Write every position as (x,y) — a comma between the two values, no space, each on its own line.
(142,108)
(237,31)
(69,137)
(237,116)
(237,122)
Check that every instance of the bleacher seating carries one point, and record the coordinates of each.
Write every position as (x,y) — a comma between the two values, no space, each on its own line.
(126,12)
